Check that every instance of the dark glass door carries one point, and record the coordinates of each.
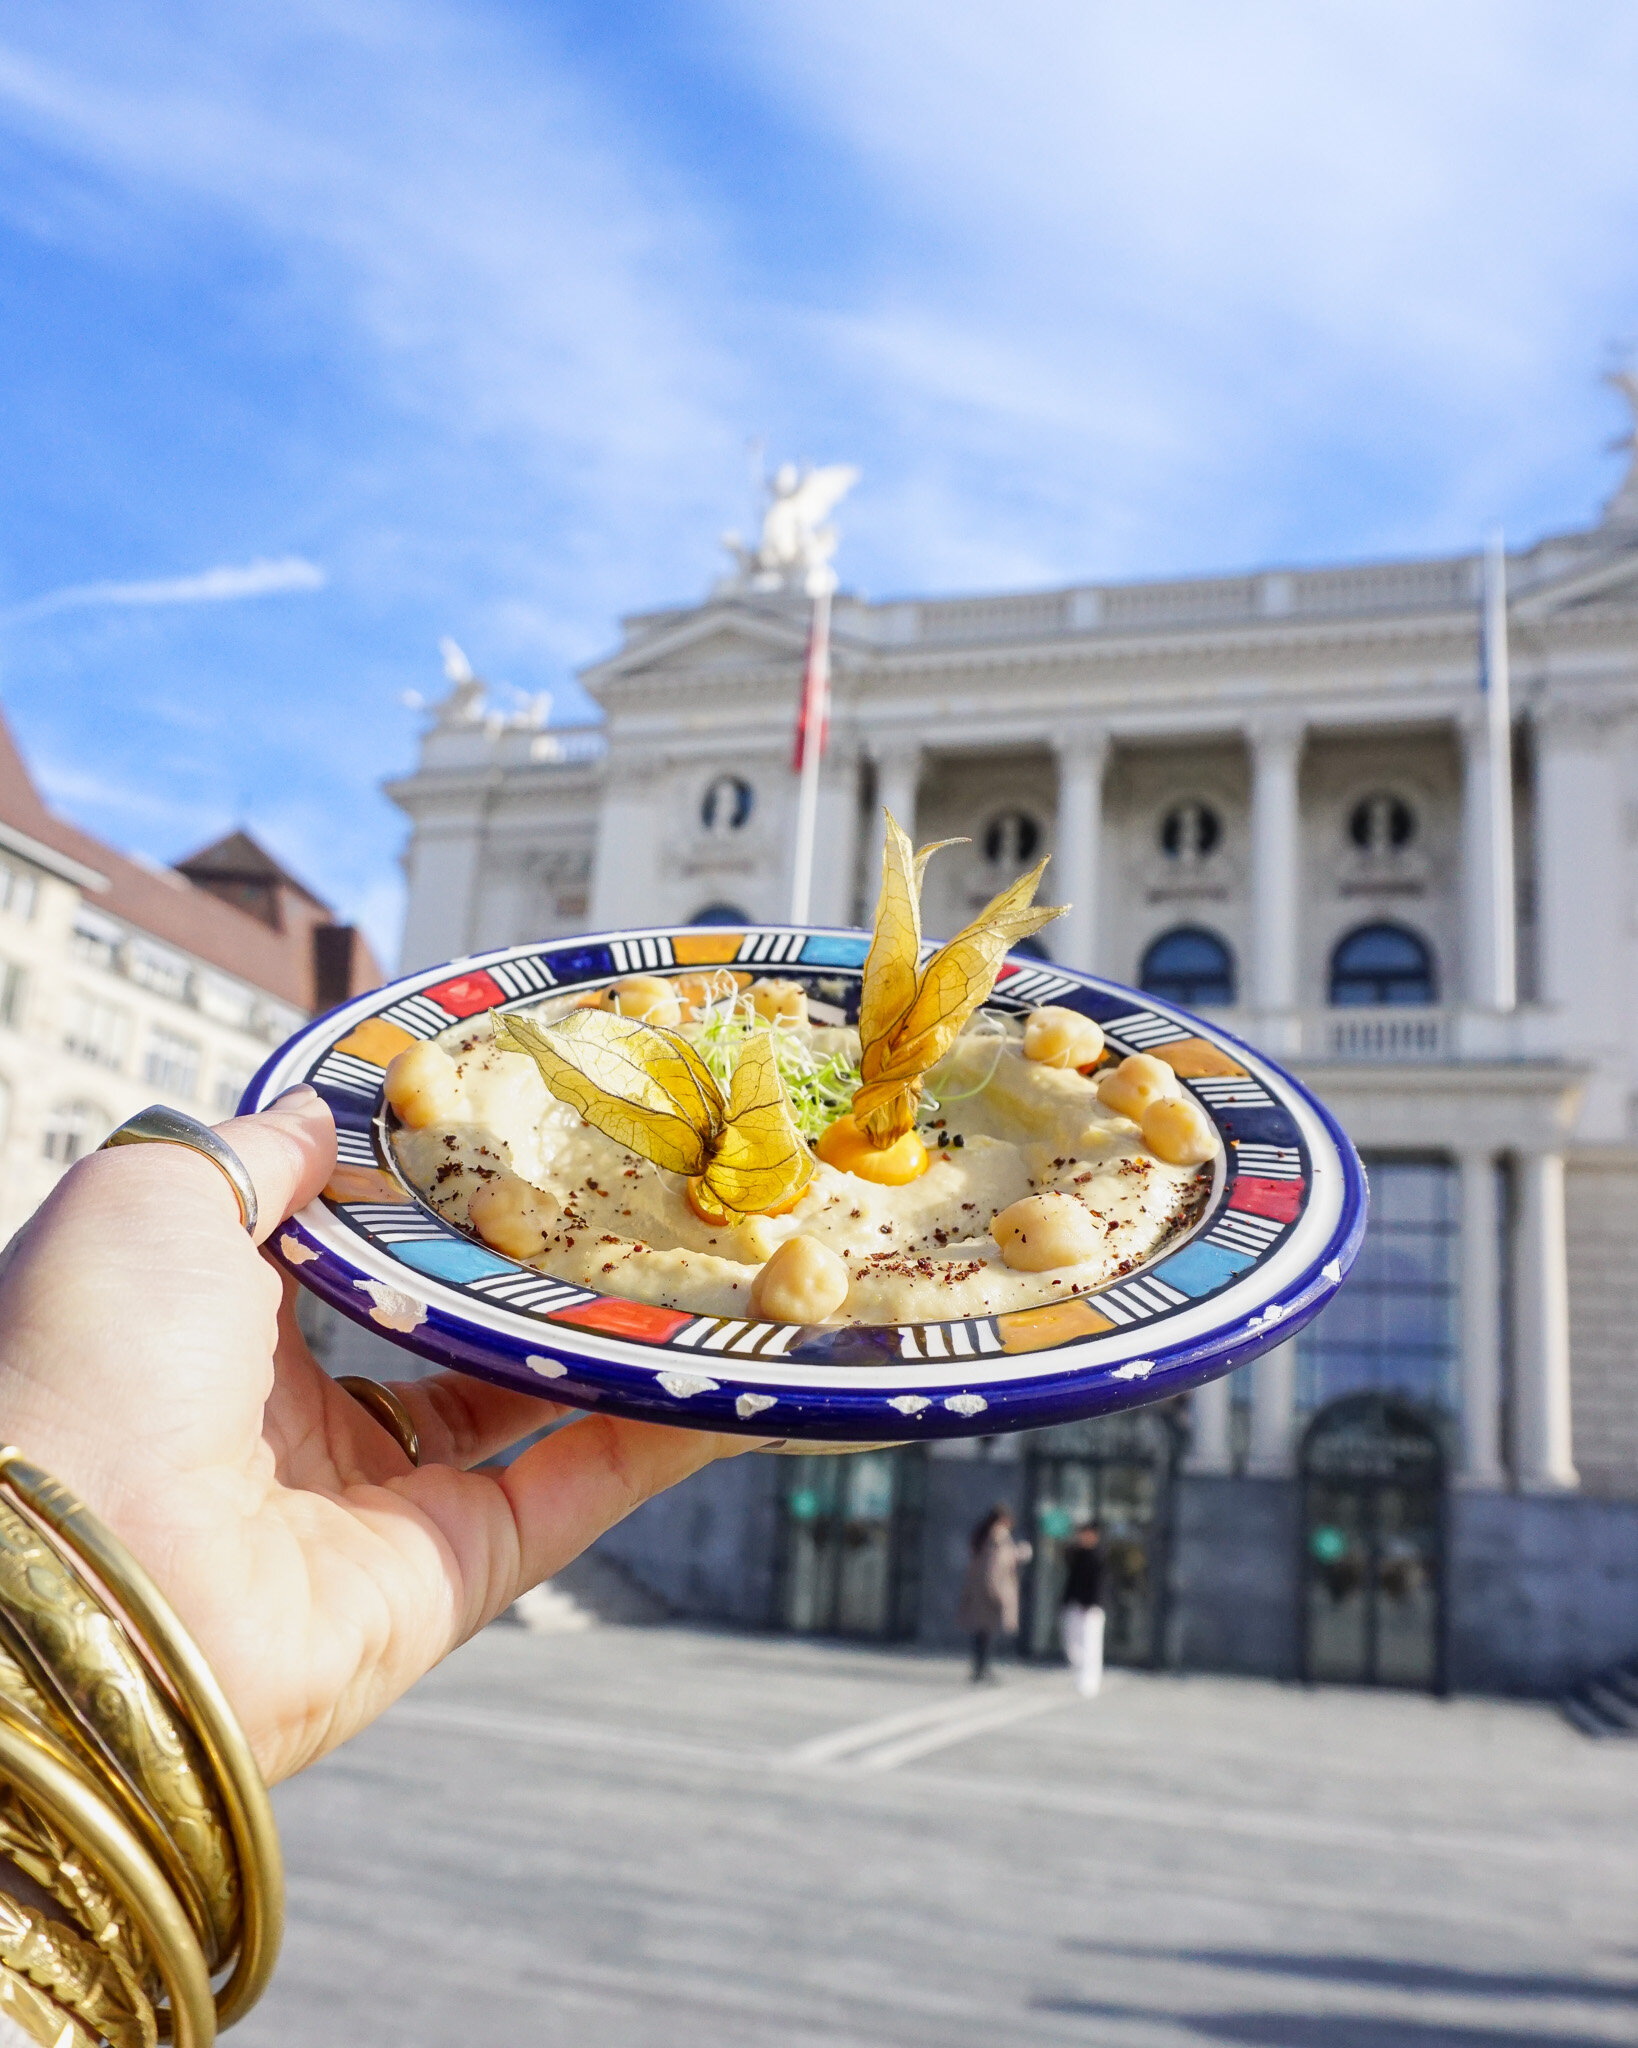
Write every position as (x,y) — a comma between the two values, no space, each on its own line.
(852,1544)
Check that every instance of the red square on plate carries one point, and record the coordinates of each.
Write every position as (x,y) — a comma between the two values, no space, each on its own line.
(624,1319)
(467,994)
(1279,1200)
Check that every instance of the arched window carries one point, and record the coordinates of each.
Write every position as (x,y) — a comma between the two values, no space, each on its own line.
(727,803)
(721,913)
(1381,964)
(1010,840)
(1190,832)
(1381,823)
(73,1129)
(1189,966)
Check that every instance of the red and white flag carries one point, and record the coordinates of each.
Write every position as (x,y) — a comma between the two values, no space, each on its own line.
(813,719)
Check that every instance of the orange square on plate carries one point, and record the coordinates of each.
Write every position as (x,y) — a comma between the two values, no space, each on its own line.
(376,1040)
(706,949)
(1059,1322)
(1190,1058)
(364,1184)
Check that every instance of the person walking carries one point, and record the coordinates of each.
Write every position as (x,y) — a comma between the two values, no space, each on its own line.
(1080,1619)
(989,1595)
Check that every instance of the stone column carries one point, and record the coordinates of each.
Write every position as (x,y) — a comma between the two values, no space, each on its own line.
(898,774)
(1481,1323)
(1074,870)
(1543,1451)
(1276,854)
(1210,1409)
(1272,1450)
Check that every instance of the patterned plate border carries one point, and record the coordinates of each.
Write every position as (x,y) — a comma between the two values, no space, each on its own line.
(1278,1235)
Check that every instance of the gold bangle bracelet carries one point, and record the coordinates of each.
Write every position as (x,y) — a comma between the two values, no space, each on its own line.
(69,1967)
(46,1776)
(81,1660)
(239,1782)
(39,2015)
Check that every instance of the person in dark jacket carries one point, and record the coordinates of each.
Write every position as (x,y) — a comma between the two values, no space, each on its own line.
(989,1595)
(1081,1616)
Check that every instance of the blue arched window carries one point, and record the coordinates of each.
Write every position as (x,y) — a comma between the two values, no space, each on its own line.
(721,913)
(1382,964)
(1189,966)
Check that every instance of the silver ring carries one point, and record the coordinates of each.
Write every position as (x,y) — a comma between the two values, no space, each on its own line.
(158,1125)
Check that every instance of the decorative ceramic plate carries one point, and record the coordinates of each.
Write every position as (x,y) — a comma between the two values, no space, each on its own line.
(1279,1232)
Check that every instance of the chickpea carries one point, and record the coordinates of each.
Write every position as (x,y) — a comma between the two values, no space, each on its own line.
(1139,1080)
(781,1002)
(646,996)
(423,1086)
(1044,1231)
(513,1216)
(1062,1038)
(697,992)
(804,1282)
(1180,1132)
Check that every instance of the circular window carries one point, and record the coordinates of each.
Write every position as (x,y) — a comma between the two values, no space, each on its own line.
(1381,823)
(1010,840)
(727,804)
(1190,831)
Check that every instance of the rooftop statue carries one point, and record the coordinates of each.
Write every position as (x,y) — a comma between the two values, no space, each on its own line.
(1622,509)
(795,550)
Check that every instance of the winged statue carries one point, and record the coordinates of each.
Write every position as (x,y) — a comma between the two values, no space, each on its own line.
(1622,509)
(796,546)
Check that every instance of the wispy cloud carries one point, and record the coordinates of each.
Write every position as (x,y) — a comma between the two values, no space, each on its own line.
(261,578)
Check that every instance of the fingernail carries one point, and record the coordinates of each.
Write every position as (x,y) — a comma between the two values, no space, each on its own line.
(302,1088)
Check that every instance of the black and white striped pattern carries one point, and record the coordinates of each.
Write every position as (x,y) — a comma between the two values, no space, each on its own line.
(530,977)
(1232,1091)
(394,1222)
(949,1340)
(770,948)
(531,1292)
(1236,1231)
(351,1076)
(743,1340)
(1144,1029)
(420,1016)
(633,956)
(1034,986)
(1270,1162)
(355,1148)
(1134,1301)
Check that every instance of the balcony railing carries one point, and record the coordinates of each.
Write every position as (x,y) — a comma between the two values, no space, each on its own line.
(1390,1033)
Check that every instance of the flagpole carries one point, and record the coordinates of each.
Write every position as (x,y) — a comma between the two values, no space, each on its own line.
(1503,990)
(810,740)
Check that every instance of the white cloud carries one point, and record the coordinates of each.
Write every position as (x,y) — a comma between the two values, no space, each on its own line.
(260,578)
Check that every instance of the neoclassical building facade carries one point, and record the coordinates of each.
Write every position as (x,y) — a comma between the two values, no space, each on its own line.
(1272,796)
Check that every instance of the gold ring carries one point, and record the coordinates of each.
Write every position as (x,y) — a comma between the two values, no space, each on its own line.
(157,1125)
(382,1405)
(48,1780)
(239,1781)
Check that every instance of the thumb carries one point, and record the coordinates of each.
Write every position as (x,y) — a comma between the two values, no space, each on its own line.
(289,1151)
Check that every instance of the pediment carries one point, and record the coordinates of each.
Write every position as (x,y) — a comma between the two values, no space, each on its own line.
(1610,579)
(716,640)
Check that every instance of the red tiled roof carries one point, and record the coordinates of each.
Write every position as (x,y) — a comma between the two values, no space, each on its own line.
(170,907)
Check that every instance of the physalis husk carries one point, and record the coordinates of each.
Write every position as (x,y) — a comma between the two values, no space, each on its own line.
(644,1086)
(908,1020)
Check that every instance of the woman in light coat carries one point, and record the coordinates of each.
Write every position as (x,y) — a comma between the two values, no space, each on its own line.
(989,1595)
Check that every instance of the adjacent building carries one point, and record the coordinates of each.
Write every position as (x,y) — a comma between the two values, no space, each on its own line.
(1270,796)
(124,983)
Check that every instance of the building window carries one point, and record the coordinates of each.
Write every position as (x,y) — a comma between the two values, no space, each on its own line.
(13,993)
(171,1063)
(1381,964)
(94,942)
(18,891)
(721,913)
(1190,831)
(1393,1324)
(1189,966)
(73,1129)
(1381,823)
(727,804)
(5,1109)
(97,1030)
(231,1083)
(151,967)
(1011,840)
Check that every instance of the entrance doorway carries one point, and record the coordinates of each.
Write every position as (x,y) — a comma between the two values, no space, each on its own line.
(1373,1545)
(852,1544)
(1115,1470)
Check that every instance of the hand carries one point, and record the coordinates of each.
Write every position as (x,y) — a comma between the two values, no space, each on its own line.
(150,1359)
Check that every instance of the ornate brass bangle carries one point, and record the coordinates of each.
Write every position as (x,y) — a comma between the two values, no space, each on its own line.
(46,1775)
(76,1973)
(387,1408)
(107,1705)
(238,1781)
(39,2015)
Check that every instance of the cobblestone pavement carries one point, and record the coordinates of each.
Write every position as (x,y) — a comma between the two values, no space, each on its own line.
(632,1837)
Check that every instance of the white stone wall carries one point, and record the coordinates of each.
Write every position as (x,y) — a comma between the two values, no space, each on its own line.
(1601,1199)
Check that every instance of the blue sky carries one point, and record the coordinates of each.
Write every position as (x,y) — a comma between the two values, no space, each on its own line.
(331,328)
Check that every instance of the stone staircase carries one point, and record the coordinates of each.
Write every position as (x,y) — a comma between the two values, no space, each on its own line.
(591,1592)
(1605,1704)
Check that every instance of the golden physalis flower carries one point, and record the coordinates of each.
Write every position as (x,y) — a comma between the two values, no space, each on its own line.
(909,1018)
(644,1086)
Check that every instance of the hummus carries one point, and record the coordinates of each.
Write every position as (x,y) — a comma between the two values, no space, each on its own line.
(1006,1127)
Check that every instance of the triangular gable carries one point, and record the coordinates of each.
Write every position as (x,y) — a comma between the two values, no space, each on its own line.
(1610,578)
(716,637)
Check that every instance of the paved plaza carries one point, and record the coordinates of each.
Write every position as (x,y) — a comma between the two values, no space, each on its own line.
(657,1837)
